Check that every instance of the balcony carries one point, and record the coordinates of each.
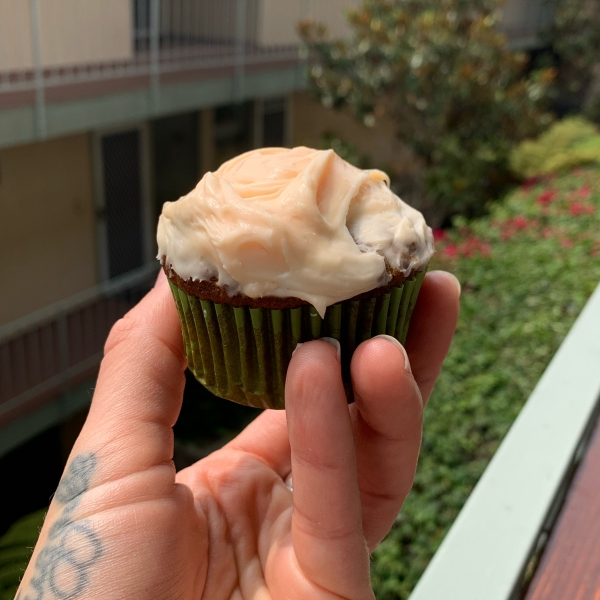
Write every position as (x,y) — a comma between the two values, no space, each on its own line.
(49,358)
(53,54)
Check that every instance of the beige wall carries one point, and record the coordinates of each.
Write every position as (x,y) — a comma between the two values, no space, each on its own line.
(521,18)
(71,32)
(311,120)
(47,233)
(279,18)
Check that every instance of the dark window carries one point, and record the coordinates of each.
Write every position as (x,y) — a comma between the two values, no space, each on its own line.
(233,131)
(176,157)
(123,201)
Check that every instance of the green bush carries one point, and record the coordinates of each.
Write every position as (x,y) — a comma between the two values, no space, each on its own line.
(526,270)
(458,97)
(569,143)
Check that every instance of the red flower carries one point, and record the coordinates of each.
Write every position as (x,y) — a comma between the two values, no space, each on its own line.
(520,222)
(450,251)
(439,235)
(547,233)
(546,197)
(584,191)
(577,171)
(566,243)
(530,182)
(579,208)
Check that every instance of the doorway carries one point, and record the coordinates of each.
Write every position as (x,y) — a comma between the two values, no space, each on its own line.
(122,201)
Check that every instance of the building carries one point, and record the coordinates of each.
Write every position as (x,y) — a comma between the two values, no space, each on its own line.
(108,108)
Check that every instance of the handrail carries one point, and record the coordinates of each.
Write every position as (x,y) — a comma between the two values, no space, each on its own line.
(46,314)
(46,354)
(513,507)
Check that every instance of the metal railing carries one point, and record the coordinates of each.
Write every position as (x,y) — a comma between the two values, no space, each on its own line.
(502,528)
(50,49)
(54,349)
(161,36)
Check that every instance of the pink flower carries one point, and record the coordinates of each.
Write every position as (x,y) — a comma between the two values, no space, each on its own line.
(584,191)
(566,243)
(439,235)
(546,197)
(579,208)
(520,222)
(530,182)
(450,251)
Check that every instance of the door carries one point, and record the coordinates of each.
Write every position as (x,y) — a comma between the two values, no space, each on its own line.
(122,210)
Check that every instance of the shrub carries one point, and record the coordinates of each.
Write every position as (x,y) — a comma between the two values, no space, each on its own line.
(526,271)
(459,98)
(567,144)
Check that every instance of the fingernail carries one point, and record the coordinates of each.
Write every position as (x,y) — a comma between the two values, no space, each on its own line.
(456,282)
(335,344)
(296,348)
(396,343)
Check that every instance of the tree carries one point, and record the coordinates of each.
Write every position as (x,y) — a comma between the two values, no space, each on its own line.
(440,68)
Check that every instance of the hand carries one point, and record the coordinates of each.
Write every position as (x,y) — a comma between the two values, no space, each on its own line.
(123,524)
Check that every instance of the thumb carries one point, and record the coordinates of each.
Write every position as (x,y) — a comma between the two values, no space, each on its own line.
(139,390)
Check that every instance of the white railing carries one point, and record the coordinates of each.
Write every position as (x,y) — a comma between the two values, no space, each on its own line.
(54,349)
(508,516)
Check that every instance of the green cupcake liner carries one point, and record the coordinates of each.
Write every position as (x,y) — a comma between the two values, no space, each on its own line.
(242,354)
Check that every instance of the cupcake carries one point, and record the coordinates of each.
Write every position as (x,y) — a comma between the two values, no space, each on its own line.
(279,247)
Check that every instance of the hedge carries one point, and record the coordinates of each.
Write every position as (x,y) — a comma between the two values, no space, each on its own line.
(526,270)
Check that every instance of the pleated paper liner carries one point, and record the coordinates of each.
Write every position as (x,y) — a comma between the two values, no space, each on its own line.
(242,354)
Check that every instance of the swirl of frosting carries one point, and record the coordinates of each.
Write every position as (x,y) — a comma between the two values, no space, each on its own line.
(297,223)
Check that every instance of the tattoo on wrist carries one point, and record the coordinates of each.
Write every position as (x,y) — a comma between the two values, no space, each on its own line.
(63,565)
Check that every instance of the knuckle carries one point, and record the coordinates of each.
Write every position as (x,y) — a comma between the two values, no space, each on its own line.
(121,332)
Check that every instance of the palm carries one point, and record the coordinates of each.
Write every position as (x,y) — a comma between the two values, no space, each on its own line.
(124,524)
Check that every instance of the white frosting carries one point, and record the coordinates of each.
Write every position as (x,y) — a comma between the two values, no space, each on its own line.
(297,223)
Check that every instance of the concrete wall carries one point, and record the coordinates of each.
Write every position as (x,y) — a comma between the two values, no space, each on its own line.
(71,32)
(278,19)
(47,232)
(521,18)
(311,120)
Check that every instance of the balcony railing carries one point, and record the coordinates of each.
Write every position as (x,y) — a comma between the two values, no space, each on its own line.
(49,352)
(125,39)
(57,50)
(494,542)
